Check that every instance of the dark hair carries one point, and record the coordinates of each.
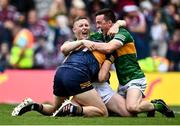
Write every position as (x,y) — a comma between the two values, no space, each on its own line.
(108,14)
(79,18)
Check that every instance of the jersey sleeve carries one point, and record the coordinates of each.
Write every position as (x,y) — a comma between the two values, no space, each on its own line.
(123,36)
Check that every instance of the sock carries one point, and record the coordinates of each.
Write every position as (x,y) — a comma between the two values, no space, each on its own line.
(77,110)
(37,107)
(158,107)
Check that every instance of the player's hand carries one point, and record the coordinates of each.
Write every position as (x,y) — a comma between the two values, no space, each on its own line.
(89,44)
(115,28)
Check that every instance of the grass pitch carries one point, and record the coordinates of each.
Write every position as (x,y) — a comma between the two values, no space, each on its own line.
(34,118)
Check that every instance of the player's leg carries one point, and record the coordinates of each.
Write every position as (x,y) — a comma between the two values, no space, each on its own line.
(92,103)
(161,107)
(133,92)
(45,109)
(134,102)
(113,101)
(49,109)
(117,105)
(25,106)
(77,84)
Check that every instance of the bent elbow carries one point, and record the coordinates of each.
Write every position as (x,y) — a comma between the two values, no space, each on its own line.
(102,79)
(108,50)
(111,46)
(63,50)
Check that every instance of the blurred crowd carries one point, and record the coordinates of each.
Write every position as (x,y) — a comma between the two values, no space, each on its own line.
(31,31)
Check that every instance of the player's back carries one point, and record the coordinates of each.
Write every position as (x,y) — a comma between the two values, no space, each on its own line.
(83,61)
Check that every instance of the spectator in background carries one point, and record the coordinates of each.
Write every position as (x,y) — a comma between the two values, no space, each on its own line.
(78,8)
(63,32)
(5,36)
(59,25)
(44,58)
(40,53)
(136,24)
(148,12)
(56,8)
(8,16)
(173,53)
(23,6)
(42,7)
(159,35)
(4,57)
(94,5)
(21,55)
(58,21)
(37,26)
(118,5)
(140,21)
(171,17)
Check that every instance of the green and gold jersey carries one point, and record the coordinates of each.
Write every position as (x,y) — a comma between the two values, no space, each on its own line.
(127,67)
(97,37)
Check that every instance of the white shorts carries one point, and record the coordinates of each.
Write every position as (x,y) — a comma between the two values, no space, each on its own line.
(136,83)
(104,90)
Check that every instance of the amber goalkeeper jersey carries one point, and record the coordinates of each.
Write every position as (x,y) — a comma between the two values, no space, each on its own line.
(97,37)
(127,67)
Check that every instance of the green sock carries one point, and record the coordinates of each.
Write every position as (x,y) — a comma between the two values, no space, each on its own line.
(158,107)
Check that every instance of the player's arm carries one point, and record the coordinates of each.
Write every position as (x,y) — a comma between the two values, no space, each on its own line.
(68,46)
(104,71)
(103,47)
(109,47)
(113,44)
(104,74)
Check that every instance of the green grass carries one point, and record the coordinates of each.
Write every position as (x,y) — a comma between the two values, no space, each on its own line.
(34,118)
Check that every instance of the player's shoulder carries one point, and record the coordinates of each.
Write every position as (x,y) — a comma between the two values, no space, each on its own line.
(123,30)
(96,36)
(124,35)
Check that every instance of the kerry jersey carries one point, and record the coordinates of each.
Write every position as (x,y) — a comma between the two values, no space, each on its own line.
(127,67)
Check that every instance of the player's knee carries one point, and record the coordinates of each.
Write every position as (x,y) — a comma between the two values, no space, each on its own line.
(103,112)
(133,108)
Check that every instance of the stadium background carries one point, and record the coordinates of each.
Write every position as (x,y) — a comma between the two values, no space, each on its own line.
(43,30)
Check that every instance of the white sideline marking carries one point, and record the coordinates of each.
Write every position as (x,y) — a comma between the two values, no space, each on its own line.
(177,112)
